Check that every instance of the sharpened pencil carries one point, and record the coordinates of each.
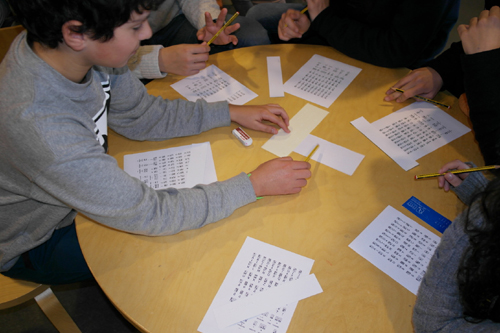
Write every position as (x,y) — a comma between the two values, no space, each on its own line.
(311,153)
(431,175)
(423,98)
(302,12)
(223,27)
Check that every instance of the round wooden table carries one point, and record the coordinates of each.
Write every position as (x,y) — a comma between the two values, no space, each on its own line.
(166,284)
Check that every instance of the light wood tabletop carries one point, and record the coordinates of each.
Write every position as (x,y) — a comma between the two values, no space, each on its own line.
(166,284)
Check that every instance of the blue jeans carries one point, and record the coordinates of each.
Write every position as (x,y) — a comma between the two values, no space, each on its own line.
(57,261)
(269,15)
(180,31)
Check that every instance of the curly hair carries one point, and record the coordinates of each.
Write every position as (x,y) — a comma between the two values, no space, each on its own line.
(479,271)
(43,19)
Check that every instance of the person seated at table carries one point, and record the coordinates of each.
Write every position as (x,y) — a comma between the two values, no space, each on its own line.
(471,67)
(61,84)
(460,291)
(387,33)
(178,29)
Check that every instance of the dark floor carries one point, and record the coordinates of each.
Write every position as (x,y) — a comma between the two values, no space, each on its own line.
(86,303)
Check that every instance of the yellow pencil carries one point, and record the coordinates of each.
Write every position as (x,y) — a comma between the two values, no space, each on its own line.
(223,27)
(430,175)
(302,12)
(423,98)
(311,154)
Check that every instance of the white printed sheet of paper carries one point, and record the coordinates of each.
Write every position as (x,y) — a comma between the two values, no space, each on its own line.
(330,154)
(412,132)
(258,287)
(398,246)
(301,125)
(321,80)
(179,167)
(275,77)
(213,85)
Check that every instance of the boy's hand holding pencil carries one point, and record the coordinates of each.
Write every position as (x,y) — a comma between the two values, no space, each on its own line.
(453,173)
(218,32)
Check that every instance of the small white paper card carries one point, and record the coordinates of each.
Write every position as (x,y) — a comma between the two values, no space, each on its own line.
(321,80)
(210,173)
(330,154)
(213,85)
(301,125)
(398,246)
(275,77)
(258,268)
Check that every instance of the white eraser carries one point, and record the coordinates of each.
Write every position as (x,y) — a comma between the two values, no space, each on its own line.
(244,138)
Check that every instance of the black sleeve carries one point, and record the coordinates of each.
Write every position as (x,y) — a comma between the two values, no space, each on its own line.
(449,66)
(482,86)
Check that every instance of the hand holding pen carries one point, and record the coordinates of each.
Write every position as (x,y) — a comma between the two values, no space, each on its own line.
(454,172)
(445,182)
(424,82)
(218,32)
(293,24)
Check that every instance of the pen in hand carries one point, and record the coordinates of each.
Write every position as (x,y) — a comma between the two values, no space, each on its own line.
(311,153)
(431,175)
(223,27)
(423,98)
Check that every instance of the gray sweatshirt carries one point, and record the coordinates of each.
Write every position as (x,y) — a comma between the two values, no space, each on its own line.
(438,307)
(53,161)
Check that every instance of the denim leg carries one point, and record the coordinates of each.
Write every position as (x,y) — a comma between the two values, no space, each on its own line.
(178,31)
(57,261)
(250,33)
(242,6)
(269,14)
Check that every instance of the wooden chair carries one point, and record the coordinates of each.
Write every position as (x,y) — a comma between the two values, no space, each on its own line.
(7,35)
(14,292)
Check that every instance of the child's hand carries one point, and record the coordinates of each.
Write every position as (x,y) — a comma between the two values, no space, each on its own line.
(252,116)
(280,176)
(183,59)
(211,28)
(482,33)
(293,24)
(424,81)
(444,182)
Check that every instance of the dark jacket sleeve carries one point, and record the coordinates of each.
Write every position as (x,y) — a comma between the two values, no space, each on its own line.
(448,65)
(482,85)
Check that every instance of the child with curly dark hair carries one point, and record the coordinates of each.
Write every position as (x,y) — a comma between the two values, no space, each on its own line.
(62,83)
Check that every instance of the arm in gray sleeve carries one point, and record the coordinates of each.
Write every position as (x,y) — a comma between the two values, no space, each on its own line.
(144,64)
(470,187)
(91,182)
(137,115)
